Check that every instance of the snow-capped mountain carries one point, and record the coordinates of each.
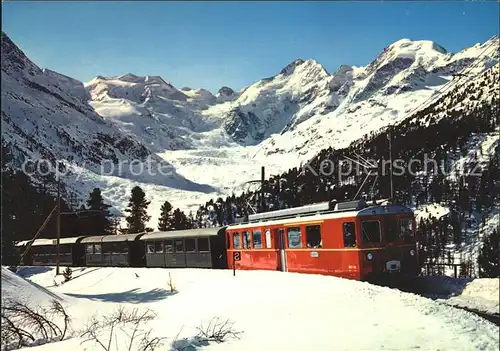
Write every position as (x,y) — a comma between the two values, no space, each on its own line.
(220,139)
(304,108)
(46,115)
(151,109)
(226,94)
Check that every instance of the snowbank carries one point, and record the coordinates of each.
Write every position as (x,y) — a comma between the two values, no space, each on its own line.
(275,310)
(30,314)
(479,294)
(19,289)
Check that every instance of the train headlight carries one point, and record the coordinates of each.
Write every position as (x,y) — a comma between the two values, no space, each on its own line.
(369,256)
(412,252)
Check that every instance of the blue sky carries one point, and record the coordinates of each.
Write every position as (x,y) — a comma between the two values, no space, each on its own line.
(210,44)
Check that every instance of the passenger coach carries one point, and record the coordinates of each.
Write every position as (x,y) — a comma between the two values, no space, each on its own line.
(43,252)
(114,250)
(197,248)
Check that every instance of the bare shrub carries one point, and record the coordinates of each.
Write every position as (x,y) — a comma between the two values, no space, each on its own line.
(218,330)
(103,330)
(67,274)
(23,325)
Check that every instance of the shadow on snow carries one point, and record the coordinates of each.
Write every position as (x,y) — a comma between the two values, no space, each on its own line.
(27,272)
(130,296)
(189,344)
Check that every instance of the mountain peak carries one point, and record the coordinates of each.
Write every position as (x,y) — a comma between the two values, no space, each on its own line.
(426,46)
(290,68)
(225,91)
(14,61)
(133,87)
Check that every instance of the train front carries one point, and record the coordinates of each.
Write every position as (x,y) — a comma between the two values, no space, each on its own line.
(388,244)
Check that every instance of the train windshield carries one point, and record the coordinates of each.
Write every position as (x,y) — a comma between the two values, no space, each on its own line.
(406,230)
(390,229)
(371,231)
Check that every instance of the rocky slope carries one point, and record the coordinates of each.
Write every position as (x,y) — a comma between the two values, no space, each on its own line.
(46,116)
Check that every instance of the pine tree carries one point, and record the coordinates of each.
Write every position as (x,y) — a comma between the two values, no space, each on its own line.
(191,220)
(180,220)
(98,223)
(137,209)
(165,220)
(488,259)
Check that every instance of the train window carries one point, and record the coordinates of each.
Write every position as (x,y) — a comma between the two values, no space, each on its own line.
(268,238)
(97,248)
(179,246)
(313,236)
(247,243)
(257,239)
(371,231)
(90,249)
(159,246)
(294,238)
(405,229)
(111,247)
(390,230)
(190,245)
(169,246)
(64,249)
(228,241)
(349,234)
(122,247)
(151,247)
(203,245)
(236,241)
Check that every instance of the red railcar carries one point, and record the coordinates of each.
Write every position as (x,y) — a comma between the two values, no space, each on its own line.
(350,240)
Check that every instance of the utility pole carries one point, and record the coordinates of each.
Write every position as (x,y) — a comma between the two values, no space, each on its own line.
(389,136)
(262,200)
(58,225)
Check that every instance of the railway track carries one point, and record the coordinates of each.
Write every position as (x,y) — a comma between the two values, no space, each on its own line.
(416,285)
(493,318)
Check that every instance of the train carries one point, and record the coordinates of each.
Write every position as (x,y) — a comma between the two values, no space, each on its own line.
(354,240)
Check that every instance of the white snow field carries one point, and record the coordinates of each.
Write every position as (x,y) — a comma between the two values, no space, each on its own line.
(275,311)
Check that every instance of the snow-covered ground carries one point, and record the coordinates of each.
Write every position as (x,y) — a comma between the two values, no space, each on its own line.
(432,210)
(275,311)
(477,294)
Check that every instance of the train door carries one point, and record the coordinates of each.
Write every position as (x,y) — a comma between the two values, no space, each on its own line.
(279,236)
